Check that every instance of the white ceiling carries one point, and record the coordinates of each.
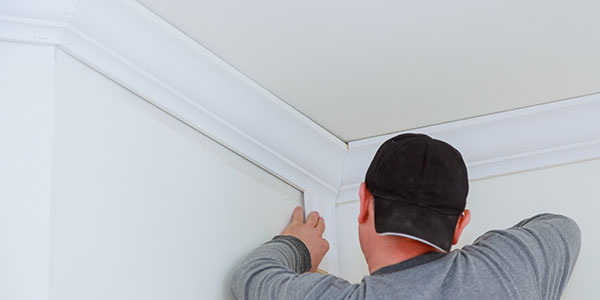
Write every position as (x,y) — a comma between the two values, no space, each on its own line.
(366,68)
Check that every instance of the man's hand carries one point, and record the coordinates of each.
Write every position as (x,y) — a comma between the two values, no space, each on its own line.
(310,233)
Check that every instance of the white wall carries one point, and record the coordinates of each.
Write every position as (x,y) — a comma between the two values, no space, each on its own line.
(143,206)
(26,86)
(501,202)
(105,196)
(352,265)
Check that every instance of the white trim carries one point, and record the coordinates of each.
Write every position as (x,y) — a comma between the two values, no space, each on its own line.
(477,121)
(20,29)
(33,21)
(326,210)
(219,101)
(174,72)
(348,193)
(525,139)
(239,75)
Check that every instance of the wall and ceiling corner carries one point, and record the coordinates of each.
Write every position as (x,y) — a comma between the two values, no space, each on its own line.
(536,137)
(136,48)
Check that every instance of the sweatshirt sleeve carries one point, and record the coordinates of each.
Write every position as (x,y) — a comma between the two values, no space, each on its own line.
(277,270)
(539,252)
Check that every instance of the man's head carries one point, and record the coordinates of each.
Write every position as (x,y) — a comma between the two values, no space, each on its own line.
(415,188)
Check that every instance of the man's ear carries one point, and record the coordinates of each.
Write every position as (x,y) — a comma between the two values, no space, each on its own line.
(365,201)
(463,221)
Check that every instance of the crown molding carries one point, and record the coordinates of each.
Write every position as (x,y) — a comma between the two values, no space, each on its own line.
(31,21)
(171,70)
(326,209)
(150,57)
(25,30)
(145,54)
(531,138)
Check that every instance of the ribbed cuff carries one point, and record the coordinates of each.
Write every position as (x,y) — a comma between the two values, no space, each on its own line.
(300,248)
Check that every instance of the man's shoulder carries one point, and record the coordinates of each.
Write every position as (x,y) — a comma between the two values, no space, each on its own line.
(550,232)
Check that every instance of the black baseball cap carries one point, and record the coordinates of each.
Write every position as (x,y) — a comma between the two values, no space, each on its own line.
(420,186)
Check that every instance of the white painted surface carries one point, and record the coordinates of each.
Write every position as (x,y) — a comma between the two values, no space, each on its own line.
(182,77)
(26,93)
(55,10)
(362,69)
(501,202)
(536,137)
(185,79)
(326,210)
(571,190)
(34,21)
(352,264)
(144,207)
(30,30)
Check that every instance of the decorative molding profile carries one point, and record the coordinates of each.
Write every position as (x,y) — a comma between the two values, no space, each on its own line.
(38,22)
(326,210)
(174,72)
(147,55)
(171,70)
(30,30)
(536,137)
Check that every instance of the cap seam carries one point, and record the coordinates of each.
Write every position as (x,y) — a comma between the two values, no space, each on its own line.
(414,204)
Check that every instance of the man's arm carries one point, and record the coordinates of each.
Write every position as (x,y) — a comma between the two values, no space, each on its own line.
(538,252)
(279,269)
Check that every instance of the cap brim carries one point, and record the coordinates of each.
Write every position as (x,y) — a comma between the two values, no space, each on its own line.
(414,222)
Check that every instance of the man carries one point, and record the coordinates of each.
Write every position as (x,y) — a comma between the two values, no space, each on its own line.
(412,209)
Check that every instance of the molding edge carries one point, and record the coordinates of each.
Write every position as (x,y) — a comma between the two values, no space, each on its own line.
(526,139)
(172,71)
(326,210)
(17,29)
(178,75)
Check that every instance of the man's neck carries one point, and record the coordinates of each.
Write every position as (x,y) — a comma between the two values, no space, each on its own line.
(394,250)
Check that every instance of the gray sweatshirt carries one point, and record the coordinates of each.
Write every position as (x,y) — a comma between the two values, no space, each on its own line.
(532,260)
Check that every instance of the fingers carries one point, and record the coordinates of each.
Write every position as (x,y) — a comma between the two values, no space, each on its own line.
(321,225)
(326,245)
(297,215)
(321,248)
(312,219)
